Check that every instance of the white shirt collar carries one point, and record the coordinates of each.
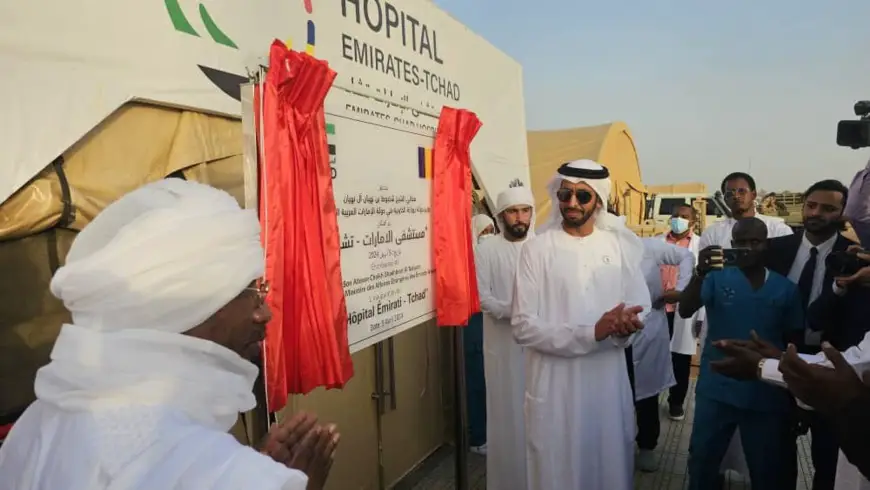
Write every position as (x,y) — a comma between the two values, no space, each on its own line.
(823,248)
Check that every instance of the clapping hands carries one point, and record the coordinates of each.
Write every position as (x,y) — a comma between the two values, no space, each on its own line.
(300,443)
(621,321)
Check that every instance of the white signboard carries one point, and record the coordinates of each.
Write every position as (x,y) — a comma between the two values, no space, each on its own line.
(68,64)
(383,215)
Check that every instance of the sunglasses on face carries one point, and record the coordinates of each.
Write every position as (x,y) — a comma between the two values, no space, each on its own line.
(583,196)
(740,191)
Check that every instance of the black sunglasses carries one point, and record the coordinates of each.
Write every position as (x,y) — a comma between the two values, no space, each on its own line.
(583,196)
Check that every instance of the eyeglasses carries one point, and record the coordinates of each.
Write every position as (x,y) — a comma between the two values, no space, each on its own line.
(261,289)
(739,191)
(583,196)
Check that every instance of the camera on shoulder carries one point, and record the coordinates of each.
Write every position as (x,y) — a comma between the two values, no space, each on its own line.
(856,134)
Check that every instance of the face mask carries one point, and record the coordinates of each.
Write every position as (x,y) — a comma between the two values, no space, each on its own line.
(679,225)
(483,238)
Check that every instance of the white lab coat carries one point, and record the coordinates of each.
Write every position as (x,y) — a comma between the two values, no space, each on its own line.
(496,262)
(579,411)
(684,340)
(719,233)
(653,369)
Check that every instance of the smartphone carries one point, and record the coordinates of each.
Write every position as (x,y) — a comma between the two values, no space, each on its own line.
(732,256)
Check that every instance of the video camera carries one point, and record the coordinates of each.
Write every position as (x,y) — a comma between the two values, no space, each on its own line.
(856,134)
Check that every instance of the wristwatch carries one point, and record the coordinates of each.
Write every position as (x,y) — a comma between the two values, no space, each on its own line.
(760,368)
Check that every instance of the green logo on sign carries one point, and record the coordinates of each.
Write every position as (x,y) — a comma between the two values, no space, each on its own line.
(181,24)
(229,83)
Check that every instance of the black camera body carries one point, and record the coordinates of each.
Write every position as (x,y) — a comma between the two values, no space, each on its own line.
(844,263)
(731,257)
(856,134)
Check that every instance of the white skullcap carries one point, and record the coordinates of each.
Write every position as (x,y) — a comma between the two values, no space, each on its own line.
(515,196)
(165,257)
(479,223)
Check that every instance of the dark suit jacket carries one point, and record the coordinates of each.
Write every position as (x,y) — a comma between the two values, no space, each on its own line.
(841,319)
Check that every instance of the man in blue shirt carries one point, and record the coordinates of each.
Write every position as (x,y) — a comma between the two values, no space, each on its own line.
(740,296)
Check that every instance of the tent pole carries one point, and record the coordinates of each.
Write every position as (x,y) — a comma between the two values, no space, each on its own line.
(461,424)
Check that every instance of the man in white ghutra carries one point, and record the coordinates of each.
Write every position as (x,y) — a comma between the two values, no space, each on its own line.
(580,295)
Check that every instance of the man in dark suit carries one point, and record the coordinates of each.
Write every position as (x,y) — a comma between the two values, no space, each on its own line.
(801,257)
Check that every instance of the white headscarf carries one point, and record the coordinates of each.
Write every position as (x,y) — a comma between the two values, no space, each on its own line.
(155,263)
(515,196)
(479,222)
(632,247)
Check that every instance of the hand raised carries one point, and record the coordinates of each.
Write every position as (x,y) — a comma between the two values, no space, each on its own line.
(284,437)
(315,455)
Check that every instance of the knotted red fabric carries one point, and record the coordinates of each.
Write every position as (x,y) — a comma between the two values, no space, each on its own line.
(306,341)
(456,297)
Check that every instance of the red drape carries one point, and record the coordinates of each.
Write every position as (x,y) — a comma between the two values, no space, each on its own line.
(306,341)
(456,297)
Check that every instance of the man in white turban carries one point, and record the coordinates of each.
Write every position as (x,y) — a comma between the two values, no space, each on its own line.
(153,371)
(580,296)
(496,262)
(482,228)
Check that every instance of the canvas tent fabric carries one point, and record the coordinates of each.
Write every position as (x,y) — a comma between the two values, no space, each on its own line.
(608,144)
(136,145)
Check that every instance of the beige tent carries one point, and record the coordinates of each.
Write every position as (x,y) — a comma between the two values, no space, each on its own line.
(608,144)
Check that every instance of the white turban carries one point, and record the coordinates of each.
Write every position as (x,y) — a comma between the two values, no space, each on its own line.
(164,257)
(479,223)
(599,181)
(515,196)
(154,264)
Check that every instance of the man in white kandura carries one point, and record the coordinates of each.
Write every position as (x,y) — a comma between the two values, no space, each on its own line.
(504,360)
(580,295)
(153,371)
(653,370)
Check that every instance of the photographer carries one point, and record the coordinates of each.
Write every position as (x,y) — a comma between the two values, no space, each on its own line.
(740,295)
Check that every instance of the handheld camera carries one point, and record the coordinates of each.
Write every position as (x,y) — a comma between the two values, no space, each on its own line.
(856,134)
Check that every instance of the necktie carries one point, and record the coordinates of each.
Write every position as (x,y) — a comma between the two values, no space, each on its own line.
(805,283)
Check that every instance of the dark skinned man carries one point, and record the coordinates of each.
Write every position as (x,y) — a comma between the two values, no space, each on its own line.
(739,295)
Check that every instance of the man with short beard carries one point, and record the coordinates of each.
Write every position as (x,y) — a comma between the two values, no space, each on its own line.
(496,262)
(580,296)
(801,257)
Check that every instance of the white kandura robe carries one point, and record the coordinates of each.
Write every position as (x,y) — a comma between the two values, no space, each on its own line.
(653,369)
(579,411)
(496,263)
(719,233)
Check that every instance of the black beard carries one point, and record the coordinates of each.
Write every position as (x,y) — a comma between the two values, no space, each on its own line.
(519,230)
(576,222)
(826,228)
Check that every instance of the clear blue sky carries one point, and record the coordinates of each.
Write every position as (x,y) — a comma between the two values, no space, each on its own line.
(704,86)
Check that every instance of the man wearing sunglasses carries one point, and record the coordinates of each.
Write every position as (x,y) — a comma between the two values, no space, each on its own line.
(580,296)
